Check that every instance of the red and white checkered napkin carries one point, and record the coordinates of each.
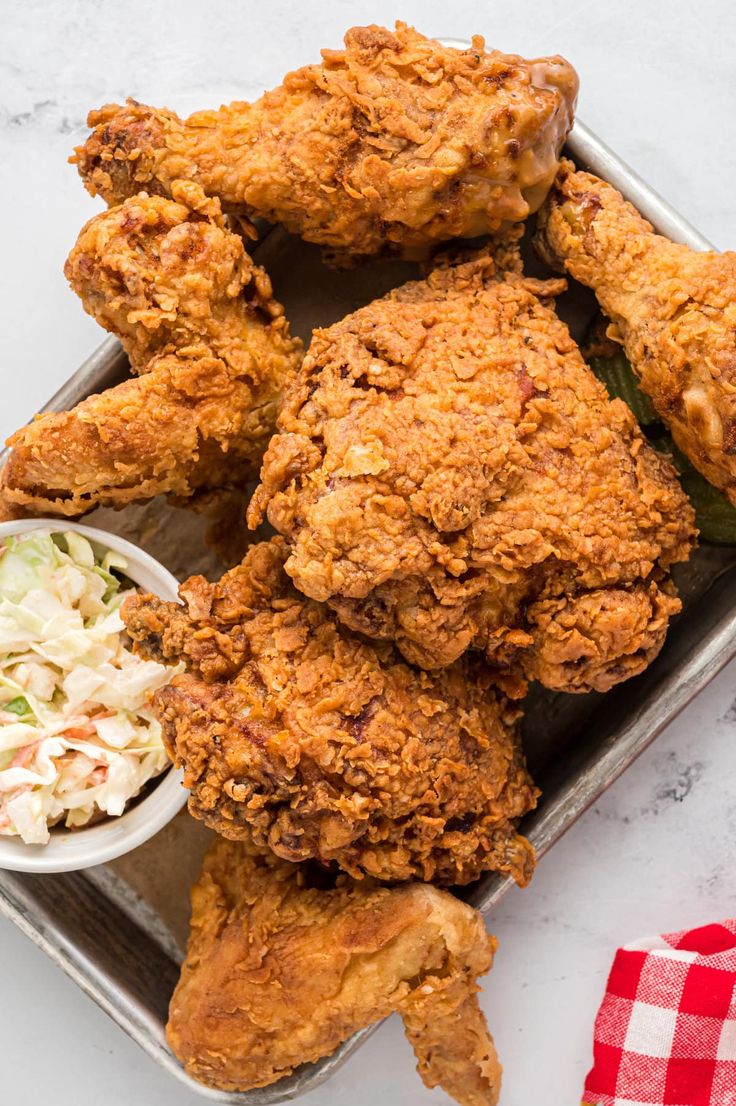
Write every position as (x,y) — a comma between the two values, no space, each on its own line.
(665,1034)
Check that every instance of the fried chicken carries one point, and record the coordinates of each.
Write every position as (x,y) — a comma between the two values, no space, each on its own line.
(674,311)
(198,320)
(325,746)
(278,973)
(392,144)
(450,474)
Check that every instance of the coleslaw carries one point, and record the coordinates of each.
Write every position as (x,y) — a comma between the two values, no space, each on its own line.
(77,736)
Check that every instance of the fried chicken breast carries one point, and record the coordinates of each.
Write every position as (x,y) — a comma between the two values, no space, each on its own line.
(674,311)
(199,323)
(325,746)
(392,144)
(449,474)
(279,972)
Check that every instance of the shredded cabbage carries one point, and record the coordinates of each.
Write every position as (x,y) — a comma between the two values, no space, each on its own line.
(77,735)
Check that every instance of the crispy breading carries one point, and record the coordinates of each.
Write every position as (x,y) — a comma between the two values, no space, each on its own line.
(326,746)
(673,309)
(279,971)
(197,318)
(394,143)
(450,474)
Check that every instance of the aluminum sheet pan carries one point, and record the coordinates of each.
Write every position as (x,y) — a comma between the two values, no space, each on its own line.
(119,930)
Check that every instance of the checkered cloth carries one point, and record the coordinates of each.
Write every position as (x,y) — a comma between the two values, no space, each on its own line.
(665,1034)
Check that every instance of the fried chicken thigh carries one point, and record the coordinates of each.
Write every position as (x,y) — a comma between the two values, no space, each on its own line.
(198,321)
(450,474)
(325,746)
(673,309)
(279,973)
(392,144)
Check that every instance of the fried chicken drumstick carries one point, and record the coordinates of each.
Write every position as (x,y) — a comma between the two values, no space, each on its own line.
(394,143)
(199,323)
(450,474)
(279,973)
(325,746)
(673,309)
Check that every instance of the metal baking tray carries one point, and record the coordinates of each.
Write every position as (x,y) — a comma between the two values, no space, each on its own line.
(118,930)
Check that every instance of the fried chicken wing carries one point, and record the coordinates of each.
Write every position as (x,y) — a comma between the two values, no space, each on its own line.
(673,309)
(450,474)
(198,320)
(325,746)
(279,973)
(394,143)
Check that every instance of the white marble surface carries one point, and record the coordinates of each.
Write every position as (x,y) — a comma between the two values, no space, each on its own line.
(658,852)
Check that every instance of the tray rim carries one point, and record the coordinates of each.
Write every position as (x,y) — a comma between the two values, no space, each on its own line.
(544,829)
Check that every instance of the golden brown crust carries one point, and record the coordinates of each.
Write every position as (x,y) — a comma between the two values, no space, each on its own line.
(674,311)
(326,746)
(278,973)
(395,142)
(198,319)
(450,474)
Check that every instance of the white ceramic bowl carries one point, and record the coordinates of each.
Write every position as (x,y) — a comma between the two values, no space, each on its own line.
(68,851)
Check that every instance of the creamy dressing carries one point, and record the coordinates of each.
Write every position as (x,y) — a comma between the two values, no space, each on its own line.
(78,738)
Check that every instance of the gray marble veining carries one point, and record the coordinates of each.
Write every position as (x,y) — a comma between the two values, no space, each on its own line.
(659,851)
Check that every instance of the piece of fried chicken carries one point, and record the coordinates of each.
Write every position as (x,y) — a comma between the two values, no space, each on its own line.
(392,144)
(198,320)
(279,972)
(450,474)
(326,746)
(673,309)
